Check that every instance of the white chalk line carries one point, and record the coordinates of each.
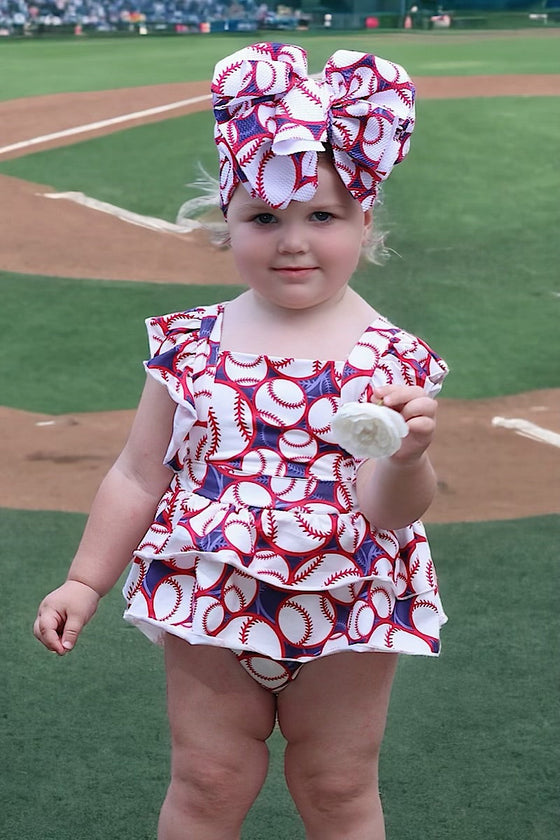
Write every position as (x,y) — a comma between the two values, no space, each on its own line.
(150,222)
(528,429)
(84,129)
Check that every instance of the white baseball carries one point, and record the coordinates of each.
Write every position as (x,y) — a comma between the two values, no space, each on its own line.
(392,639)
(275,172)
(193,503)
(400,577)
(198,441)
(333,464)
(346,594)
(239,592)
(299,533)
(202,389)
(361,620)
(321,412)
(306,620)
(273,675)
(385,373)
(155,540)
(207,520)
(230,132)
(135,579)
(351,530)
(382,567)
(195,471)
(251,633)
(172,599)
(297,368)
(270,566)
(345,496)
(293,489)
(382,601)
(325,571)
(183,558)
(244,493)
(335,643)
(425,616)
(280,402)
(208,615)
(388,541)
(364,356)
(408,345)
(245,369)
(208,573)
(240,532)
(238,431)
(263,461)
(298,445)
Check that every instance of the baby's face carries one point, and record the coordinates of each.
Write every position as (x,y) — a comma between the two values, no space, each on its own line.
(305,254)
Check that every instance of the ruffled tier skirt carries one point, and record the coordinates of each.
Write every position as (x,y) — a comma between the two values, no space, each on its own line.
(290,584)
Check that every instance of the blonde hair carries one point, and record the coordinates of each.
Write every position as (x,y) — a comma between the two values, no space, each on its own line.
(205,209)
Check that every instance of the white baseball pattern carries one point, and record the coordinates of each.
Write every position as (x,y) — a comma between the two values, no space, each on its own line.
(298,445)
(258,545)
(306,620)
(268,672)
(281,402)
(362,106)
(246,370)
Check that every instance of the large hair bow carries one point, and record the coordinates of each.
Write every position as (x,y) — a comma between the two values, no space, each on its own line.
(272,120)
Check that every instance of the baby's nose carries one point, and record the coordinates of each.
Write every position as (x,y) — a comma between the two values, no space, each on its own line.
(292,239)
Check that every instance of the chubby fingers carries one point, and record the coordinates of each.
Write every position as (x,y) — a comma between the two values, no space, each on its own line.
(47,628)
(417,409)
(58,632)
(400,397)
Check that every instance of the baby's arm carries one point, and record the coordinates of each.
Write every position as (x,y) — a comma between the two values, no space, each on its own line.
(120,515)
(393,492)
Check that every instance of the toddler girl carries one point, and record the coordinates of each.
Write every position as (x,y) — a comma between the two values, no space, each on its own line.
(282,574)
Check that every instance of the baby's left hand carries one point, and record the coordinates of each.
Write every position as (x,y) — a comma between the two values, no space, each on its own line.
(418,410)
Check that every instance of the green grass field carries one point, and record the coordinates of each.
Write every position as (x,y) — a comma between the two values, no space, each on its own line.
(37,67)
(472,740)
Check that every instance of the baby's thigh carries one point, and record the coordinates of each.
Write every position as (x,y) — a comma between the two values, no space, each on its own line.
(219,720)
(213,704)
(337,706)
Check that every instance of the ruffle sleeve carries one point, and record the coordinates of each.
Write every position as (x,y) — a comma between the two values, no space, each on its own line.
(408,360)
(173,342)
(176,346)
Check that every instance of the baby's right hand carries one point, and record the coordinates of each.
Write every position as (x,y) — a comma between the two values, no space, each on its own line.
(63,614)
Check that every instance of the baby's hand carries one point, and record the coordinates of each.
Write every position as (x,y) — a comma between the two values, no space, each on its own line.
(418,410)
(63,614)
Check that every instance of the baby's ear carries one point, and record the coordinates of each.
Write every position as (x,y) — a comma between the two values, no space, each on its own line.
(368,222)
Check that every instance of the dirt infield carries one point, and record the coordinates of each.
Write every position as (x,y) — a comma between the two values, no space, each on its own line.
(55,463)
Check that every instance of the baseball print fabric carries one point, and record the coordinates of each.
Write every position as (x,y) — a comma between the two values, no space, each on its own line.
(258,545)
(272,119)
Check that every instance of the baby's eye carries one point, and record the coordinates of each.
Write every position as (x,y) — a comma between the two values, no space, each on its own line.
(264,218)
(321,216)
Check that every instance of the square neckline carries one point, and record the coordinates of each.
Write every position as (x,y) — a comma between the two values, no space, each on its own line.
(216,337)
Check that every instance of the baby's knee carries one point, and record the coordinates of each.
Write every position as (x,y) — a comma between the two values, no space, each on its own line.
(329,789)
(204,783)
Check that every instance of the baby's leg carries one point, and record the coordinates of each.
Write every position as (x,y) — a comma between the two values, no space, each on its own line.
(219,719)
(333,718)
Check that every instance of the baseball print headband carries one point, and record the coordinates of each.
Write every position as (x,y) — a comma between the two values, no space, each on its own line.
(272,119)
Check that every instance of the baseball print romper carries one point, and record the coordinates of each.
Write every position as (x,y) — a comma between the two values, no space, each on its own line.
(258,545)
